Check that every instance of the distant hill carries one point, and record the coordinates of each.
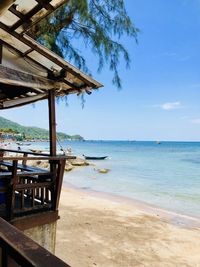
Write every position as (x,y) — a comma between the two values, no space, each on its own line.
(34,132)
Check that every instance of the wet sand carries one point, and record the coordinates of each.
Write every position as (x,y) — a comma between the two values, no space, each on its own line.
(97,230)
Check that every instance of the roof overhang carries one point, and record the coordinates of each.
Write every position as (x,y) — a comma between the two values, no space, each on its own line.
(28,69)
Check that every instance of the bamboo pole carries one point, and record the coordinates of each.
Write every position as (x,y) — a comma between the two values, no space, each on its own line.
(52,122)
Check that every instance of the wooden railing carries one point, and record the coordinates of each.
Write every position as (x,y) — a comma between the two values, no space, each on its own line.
(25,189)
(19,250)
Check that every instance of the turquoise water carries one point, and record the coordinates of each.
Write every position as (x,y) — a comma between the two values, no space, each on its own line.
(165,175)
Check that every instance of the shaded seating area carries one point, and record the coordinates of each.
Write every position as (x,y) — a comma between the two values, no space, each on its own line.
(26,190)
(29,72)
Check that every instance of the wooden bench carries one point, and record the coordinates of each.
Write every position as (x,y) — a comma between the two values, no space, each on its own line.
(25,183)
(24,167)
(26,190)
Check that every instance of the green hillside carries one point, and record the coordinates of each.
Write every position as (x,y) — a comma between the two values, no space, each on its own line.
(33,132)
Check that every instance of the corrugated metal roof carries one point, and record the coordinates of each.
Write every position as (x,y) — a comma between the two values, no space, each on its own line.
(23,54)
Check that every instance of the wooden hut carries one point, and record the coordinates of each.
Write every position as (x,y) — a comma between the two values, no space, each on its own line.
(29,72)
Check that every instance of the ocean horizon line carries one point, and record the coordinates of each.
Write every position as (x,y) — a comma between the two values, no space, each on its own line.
(135,140)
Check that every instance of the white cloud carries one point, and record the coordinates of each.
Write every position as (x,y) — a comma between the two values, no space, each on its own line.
(195,121)
(171,105)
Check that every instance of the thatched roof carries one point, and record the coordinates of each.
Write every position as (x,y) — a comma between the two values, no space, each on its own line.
(28,69)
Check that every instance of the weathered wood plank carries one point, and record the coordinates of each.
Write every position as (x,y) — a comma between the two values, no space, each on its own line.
(54,158)
(24,167)
(19,78)
(22,101)
(53,57)
(25,251)
(4,5)
(35,220)
(43,15)
(27,17)
(33,185)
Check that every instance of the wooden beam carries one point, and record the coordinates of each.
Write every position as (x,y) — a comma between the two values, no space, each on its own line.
(27,52)
(27,17)
(23,55)
(18,78)
(46,4)
(59,180)
(4,5)
(31,221)
(24,250)
(22,101)
(52,122)
(50,55)
(54,58)
(1,52)
(13,10)
(49,11)
(13,184)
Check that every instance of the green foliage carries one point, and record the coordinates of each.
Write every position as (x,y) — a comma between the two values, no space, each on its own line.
(8,126)
(98,23)
(8,131)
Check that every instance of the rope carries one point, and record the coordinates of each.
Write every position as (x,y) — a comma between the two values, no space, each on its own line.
(59,143)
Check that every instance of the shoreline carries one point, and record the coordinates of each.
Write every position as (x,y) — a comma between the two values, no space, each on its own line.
(98,229)
(169,216)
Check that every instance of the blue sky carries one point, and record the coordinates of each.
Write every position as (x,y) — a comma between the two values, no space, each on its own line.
(160,99)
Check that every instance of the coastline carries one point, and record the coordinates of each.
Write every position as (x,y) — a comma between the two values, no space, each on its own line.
(100,229)
(169,216)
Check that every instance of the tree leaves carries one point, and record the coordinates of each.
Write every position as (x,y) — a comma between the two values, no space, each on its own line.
(99,24)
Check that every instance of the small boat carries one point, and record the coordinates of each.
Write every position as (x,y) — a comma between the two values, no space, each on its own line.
(95,158)
(23,144)
(36,151)
(158,142)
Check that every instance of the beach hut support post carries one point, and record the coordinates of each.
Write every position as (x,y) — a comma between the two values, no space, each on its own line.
(52,122)
(1,52)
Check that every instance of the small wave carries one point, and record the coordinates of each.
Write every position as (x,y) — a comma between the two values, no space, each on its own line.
(195,161)
(192,198)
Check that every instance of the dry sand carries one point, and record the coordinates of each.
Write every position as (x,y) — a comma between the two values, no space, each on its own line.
(95,231)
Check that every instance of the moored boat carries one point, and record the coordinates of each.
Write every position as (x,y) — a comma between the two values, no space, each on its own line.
(95,158)
(23,144)
(158,142)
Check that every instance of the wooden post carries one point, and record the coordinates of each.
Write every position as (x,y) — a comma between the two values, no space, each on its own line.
(59,180)
(52,137)
(11,192)
(52,122)
(1,52)
(24,161)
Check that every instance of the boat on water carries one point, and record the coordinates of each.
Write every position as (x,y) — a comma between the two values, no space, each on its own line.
(23,144)
(36,150)
(158,142)
(95,158)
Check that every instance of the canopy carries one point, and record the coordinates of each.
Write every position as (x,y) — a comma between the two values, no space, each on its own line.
(28,69)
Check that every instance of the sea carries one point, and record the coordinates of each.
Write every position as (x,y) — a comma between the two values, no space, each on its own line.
(166,175)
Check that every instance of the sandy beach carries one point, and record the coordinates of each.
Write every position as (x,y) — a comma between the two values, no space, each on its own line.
(95,230)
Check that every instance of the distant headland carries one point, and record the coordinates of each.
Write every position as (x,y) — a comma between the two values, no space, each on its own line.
(15,131)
